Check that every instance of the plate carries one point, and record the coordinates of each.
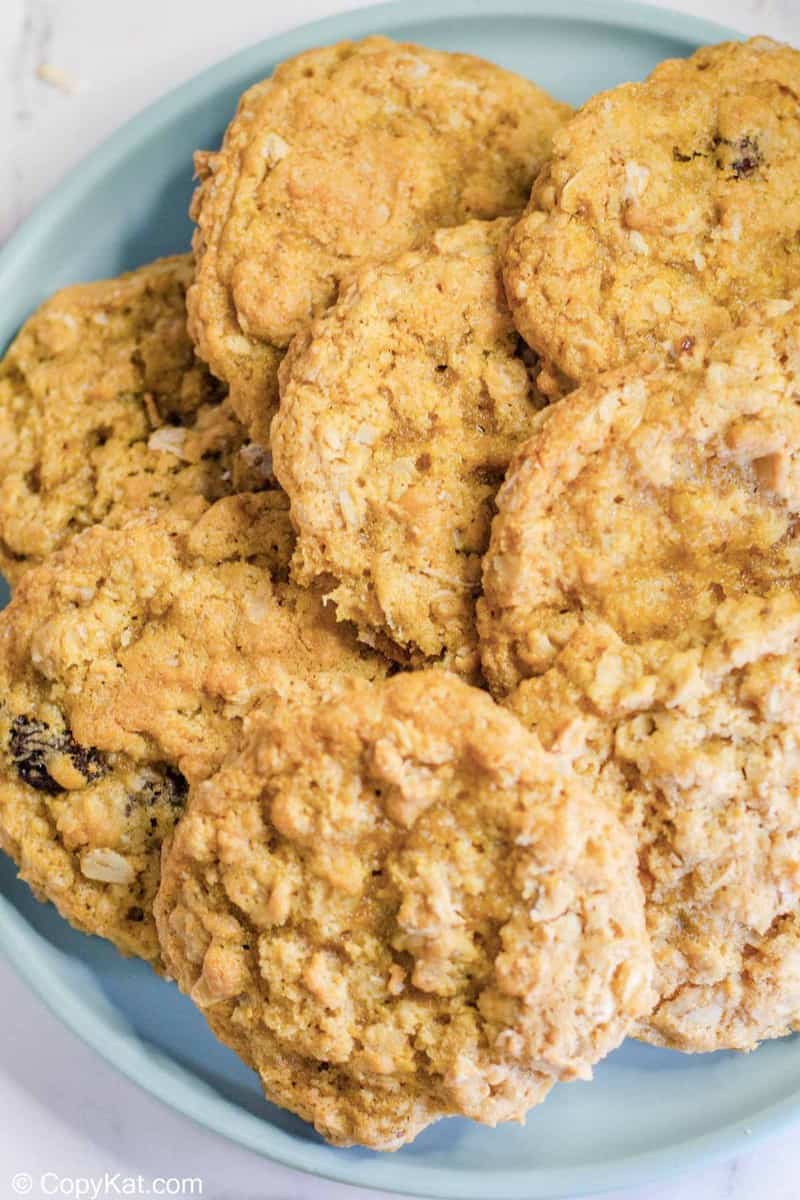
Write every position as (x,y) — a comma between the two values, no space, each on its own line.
(649,1112)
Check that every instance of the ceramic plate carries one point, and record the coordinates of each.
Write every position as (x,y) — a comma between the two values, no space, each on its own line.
(649,1112)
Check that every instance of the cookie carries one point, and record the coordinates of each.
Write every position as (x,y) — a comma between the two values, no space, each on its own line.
(396,906)
(347,154)
(127,663)
(642,612)
(400,409)
(105,411)
(667,206)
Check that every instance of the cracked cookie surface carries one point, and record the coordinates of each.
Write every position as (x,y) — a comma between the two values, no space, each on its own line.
(400,409)
(667,206)
(127,663)
(105,412)
(642,613)
(396,906)
(347,154)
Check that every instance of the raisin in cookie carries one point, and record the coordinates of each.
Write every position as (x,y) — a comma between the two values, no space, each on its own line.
(347,154)
(666,207)
(127,662)
(106,411)
(400,409)
(642,613)
(396,906)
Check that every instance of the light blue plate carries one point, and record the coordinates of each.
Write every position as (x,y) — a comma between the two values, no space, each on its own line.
(649,1112)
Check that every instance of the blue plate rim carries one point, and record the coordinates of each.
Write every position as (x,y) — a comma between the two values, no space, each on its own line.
(146,1066)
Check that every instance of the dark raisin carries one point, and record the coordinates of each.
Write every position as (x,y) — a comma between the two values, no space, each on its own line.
(166,783)
(32,743)
(687,345)
(88,761)
(749,159)
(746,156)
(177,785)
(744,166)
(29,746)
(684,158)
(135,913)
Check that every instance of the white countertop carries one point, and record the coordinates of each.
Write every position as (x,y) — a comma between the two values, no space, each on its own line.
(63,1110)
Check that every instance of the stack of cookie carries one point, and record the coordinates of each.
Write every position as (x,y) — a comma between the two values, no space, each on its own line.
(405,646)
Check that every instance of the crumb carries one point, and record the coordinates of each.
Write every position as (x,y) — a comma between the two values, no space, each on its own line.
(58,78)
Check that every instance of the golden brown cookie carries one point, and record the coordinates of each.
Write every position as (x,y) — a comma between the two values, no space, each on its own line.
(642,612)
(105,412)
(347,154)
(396,906)
(127,663)
(666,207)
(400,409)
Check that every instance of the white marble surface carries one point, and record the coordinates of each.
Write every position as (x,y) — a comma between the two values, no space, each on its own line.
(62,1109)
